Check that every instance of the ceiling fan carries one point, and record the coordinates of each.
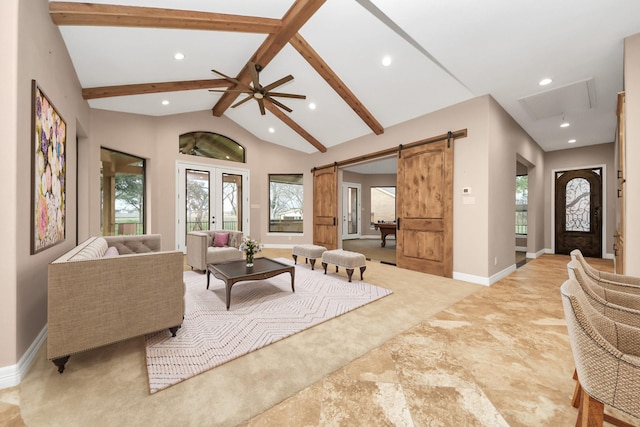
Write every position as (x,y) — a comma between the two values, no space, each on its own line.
(257,91)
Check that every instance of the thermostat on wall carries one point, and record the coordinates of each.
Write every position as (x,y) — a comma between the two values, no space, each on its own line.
(466,190)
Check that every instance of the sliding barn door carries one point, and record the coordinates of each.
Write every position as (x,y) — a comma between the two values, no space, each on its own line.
(325,207)
(424,235)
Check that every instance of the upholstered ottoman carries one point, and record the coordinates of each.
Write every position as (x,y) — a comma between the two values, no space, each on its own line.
(348,260)
(310,252)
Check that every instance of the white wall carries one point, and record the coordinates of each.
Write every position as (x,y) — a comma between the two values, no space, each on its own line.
(632,172)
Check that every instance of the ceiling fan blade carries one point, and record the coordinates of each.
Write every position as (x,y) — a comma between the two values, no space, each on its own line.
(278,82)
(287,95)
(254,75)
(231,79)
(261,104)
(242,101)
(278,103)
(230,90)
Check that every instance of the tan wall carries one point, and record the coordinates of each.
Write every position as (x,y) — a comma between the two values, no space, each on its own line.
(508,145)
(470,241)
(9,187)
(579,158)
(632,172)
(41,55)
(156,139)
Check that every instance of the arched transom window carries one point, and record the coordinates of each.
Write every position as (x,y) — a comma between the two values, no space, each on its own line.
(212,145)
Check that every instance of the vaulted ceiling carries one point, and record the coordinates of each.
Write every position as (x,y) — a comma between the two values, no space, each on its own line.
(440,52)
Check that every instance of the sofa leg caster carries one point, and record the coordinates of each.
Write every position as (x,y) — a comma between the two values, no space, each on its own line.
(60,362)
(174,330)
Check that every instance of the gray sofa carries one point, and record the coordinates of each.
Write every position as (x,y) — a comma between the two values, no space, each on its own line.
(200,249)
(95,300)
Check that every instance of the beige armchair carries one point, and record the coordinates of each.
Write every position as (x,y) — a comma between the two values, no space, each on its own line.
(607,357)
(200,249)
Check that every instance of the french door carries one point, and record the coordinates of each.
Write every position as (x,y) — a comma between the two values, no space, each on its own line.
(210,198)
(351,221)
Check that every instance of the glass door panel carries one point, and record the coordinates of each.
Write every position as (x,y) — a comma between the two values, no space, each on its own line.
(232,202)
(351,211)
(197,200)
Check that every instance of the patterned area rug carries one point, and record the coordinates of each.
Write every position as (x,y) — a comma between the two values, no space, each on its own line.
(262,312)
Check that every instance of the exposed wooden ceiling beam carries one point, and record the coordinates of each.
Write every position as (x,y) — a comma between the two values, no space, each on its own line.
(286,119)
(145,88)
(292,21)
(322,68)
(68,13)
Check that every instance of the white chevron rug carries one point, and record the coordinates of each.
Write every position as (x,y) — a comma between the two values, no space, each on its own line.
(262,312)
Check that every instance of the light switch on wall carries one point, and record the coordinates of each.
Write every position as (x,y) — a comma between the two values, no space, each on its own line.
(466,190)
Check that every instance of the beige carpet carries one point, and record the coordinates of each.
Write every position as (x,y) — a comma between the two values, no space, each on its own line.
(108,386)
(261,313)
(372,250)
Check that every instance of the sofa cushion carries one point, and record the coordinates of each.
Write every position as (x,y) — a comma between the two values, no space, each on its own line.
(111,252)
(92,250)
(222,254)
(220,240)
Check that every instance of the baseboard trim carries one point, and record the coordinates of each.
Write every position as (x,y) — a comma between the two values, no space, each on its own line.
(478,280)
(278,246)
(535,255)
(11,376)
(485,281)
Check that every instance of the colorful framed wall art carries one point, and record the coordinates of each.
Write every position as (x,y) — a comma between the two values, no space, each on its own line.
(48,172)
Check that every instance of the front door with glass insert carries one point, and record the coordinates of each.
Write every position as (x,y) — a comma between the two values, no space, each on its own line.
(578,212)
(210,198)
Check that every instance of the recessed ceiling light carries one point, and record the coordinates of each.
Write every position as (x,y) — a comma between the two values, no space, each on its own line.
(386,61)
(227,157)
(545,82)
(571,141)
(565,125)
(165,102)
(272,130)
(179,56)
(312,105)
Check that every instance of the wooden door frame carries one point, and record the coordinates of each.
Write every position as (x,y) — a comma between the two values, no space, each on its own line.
(604,204)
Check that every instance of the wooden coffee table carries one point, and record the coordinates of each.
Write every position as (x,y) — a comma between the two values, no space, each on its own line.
(236,271)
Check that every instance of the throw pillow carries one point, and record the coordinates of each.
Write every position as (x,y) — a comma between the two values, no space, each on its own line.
(111,252)
(220,239)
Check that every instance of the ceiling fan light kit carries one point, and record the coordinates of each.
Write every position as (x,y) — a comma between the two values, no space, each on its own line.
(257,91)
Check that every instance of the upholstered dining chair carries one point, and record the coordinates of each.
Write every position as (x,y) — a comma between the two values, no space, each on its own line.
(610,295)
(607,358)
(620,282)
(597,297)
(595,294)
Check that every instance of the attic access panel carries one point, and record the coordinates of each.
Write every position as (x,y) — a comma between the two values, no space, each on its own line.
(573,98)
